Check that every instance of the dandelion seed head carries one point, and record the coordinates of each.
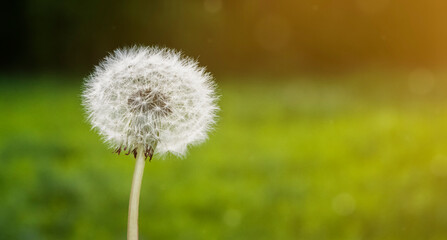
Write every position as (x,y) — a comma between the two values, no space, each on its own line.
(152,98)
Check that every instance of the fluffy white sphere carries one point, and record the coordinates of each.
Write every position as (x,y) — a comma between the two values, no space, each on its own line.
(151,98)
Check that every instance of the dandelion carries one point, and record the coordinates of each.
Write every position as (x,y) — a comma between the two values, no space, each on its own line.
(149,101)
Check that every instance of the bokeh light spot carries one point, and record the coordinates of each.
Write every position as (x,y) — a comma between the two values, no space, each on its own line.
(212,6)
(438,166)
(343,204)
(371,7)
(232,217)
(421,81)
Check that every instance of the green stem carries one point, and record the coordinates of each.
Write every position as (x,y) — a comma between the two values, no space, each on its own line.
(132,220)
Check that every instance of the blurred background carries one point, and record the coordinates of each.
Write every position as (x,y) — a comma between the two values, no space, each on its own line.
(333,121)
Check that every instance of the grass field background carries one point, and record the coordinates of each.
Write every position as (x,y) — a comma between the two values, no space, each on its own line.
(362,156)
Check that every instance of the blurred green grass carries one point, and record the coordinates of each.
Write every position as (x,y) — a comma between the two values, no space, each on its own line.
(295,158)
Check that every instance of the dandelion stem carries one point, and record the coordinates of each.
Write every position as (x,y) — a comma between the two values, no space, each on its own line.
(132,220)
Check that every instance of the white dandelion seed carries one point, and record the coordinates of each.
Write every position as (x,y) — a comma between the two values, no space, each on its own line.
(150,98)
(146,101)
